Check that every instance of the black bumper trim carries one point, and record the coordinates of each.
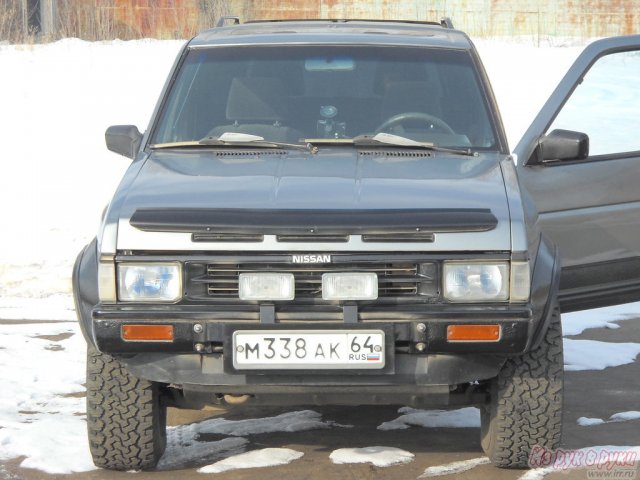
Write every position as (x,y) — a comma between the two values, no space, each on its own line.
(206,372)
(212,336)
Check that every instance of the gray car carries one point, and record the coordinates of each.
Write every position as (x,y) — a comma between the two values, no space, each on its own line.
(327,212)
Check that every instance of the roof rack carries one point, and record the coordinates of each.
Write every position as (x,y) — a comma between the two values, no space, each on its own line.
(222,21)
(445,22)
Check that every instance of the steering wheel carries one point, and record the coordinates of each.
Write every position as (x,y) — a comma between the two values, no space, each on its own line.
(405,117)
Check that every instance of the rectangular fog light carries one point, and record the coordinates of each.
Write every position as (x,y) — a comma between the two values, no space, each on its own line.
(266,286)
(349,286)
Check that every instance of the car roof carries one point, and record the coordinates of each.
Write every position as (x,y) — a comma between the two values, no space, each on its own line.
(350,32)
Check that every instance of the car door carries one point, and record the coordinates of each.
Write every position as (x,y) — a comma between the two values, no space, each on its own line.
(589,203)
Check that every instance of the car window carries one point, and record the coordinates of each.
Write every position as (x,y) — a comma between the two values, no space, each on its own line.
(606,105)
(293,93)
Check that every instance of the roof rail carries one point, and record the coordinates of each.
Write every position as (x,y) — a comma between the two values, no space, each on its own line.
(446,22)
(222,21)
(345,20)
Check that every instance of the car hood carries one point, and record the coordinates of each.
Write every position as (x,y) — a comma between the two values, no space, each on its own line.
(335,179)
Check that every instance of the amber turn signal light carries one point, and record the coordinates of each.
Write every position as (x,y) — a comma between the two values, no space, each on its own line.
(473,333)
(147,333)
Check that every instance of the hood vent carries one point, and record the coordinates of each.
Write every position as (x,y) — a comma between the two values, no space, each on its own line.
(396,153)
(400,237)
(312,238)
(248,153)
(226,237)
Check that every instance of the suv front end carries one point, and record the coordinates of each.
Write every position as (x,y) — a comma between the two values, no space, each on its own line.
(323,258)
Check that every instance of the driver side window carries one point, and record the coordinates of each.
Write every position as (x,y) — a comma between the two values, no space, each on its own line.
(606,105)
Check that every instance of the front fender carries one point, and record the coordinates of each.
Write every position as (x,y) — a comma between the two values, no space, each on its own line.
(545,284)
(85,289)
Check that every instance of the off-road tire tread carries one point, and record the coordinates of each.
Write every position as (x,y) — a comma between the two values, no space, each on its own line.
(126,423)
(526,410)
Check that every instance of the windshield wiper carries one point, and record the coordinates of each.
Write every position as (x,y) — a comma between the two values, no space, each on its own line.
(399,141)
(229,139)
(245,140)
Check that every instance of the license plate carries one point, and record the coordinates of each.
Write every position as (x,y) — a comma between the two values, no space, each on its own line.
(308,349)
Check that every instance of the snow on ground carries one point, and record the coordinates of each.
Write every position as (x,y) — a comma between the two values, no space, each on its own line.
(57,307)
(42,407)
(595,355)
(454,468)
(287,422)
(184,451)
(468,417)
(42,412)
(615,418)
(577,322)
(378,456)
(186,447)
(267,457)
(57,175)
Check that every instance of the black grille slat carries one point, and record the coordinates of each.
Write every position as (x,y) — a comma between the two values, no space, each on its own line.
(394,279)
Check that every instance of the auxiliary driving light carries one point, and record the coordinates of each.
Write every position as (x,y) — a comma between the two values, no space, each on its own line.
(349,286)
(267,286)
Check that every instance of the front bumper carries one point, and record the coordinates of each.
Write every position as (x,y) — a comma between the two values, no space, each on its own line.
(201,330)
(198,358)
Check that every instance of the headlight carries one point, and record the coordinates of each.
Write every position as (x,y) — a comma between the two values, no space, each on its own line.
(149,282)
(476,282)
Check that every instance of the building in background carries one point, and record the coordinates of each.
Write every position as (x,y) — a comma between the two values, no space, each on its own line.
(105,19)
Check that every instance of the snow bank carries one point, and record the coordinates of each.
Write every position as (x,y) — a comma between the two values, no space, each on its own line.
(378,456)
(267,457)
(468,417)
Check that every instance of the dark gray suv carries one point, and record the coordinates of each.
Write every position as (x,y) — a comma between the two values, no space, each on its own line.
(327,212)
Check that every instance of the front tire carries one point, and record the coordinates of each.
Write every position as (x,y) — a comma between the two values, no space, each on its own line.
(125,419)
(525,408)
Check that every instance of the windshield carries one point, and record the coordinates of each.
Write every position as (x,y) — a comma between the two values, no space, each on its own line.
(299,94)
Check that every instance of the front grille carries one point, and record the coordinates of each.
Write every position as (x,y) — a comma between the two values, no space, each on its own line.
(394,279)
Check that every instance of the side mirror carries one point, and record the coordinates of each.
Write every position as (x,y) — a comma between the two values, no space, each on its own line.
(561,145)
(123,139)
